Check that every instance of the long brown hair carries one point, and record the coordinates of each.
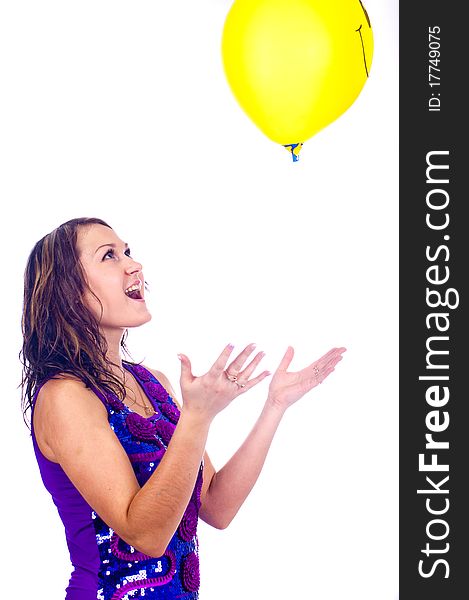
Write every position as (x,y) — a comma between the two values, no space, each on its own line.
(60,334)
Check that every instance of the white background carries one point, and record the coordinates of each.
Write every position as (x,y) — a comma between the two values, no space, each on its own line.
(120,110)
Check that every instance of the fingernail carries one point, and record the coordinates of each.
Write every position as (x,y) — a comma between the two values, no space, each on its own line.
(231,346)
(179,356)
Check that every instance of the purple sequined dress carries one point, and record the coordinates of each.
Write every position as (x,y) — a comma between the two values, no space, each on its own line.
(106,567)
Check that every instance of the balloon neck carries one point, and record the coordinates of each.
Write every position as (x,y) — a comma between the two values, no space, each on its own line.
(294,149)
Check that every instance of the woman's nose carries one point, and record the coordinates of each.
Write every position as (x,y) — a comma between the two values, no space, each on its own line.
(133,267)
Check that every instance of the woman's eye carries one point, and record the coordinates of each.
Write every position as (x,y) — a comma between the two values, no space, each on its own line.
(112,254)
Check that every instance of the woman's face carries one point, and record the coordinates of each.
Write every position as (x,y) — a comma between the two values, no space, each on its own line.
(114,276)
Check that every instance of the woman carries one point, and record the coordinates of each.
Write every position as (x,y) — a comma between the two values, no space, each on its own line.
(124,462)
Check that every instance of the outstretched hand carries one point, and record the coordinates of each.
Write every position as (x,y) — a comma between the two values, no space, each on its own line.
(209,394)
(287,387)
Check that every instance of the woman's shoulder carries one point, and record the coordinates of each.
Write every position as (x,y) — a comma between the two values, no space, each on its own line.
(66,392)
(63,383)
(63,407)
(62,380)
(60,383)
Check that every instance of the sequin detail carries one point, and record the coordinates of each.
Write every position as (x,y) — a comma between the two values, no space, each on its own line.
(146,456)
(122,555)
(156,390)
(197,492)
(114,402)
(148,583)
(165,430)
(190,572)
(171,411)
(188,526)
(142,373)
(140,427)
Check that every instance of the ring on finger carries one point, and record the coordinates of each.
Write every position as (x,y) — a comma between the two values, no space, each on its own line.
(316,372)
(230,377)
(241,385)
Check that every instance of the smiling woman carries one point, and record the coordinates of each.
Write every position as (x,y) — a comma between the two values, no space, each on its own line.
(124,462)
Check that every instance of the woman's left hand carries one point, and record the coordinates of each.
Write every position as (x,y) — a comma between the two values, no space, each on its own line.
(287,387)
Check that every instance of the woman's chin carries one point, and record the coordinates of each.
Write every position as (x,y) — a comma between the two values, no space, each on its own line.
(128,321)
(145,318)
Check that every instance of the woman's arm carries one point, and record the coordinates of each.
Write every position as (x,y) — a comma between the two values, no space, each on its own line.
(226,490)
(230,486)
(72,423)
(72,429)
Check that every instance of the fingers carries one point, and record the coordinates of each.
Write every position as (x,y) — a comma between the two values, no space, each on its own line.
(323,367)
(246,373)
(321,376)
(331,361)
(307,378)
(286,360)
(314,378)
(254,381)
(331,358)
(331,355)
(186,368)
(242,382)
(235,367)
(219,365)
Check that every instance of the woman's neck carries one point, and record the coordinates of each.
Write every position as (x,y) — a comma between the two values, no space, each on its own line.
(113,354)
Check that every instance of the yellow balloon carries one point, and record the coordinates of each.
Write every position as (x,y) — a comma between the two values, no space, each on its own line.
(295,66)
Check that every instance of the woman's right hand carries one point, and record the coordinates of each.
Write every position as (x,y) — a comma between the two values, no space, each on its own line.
(207,395)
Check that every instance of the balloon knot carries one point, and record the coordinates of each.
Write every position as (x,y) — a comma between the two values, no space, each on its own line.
(294,149)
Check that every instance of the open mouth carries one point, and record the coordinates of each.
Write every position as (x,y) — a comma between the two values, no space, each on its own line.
(133,292)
